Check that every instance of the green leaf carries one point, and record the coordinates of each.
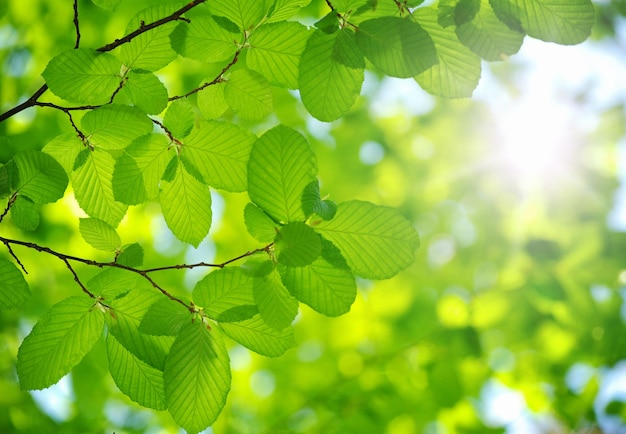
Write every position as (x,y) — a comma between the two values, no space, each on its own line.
(93,188)
(136,379)
(344,6)
(25,214)
(397,46)
(313,204)
(164,318)
(276,306)
(8,178)
(259,224)
(486,35)
(197,377)
(179,118)
(331,74)
(205,40)
(83,76)
(244,13)
(377,242)
(111,283)
(59,340)
(130,255)
(212,102)
(150,50)
(457,73)
(99,234)
(566,22)
(40,177)
(144,90)
(115,126)
(281,165)
(248,94)
(186,205)
(13,287)
(254,334)
(109,5)
(327,285)
(297,245)
(123,323)
(223,290)
(281,10)
(275,51)
(138,171)
(64,149)
(220,151)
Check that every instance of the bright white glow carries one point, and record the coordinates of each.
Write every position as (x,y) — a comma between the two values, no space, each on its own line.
(501,406)
(56,400)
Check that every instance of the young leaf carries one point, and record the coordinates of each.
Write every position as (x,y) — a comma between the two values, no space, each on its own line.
(186,205)
(179,118)
(205,40)
(220,151)
(259,224)
(144,90)
(327,285)
(276,306)
(164,318)
(221,291)
(59,340)
(312,203)
(40,177)
(130,255)
(457,73)
(244,13)
(139,381)
(99,234)
(297,245)
(111,283)
(275,51)
(281,165)
(93,188)
(13,287)
(138,171)
(331,74)
(212,102)
(254,334)
(64,148)
(197,377)
(248,94)
(24,214)
(397,46)
(376,241)
(83,76)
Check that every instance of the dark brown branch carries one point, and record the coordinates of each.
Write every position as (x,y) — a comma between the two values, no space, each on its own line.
(12,253)
(10,203)
(76,26)
(77,279)
(166,131)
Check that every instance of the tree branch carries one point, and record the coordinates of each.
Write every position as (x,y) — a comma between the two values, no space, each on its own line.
(76,26)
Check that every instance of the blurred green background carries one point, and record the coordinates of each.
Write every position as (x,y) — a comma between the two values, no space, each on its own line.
(510,320)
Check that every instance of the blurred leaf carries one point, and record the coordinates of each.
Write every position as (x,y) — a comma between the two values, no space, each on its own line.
(14,290)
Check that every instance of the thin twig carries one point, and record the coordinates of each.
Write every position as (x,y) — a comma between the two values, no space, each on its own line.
(166,131)
(77,279)
(10,203)
(76,26)
(16,258)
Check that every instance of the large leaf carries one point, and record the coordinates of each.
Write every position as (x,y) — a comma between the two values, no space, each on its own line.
(281,165)
(40,177)
(64,148)
(220,151)
(205,40)
(397,46)
(164,318)
(59,340)
(13,287)
(248,94)
(144,90)
(115,126)
(331,74)
(297,244)
(457,72)
(197,377)
(139,381)
(254,334)
(244,13)
(138,171)
(275,51)
(565,22)
(377,242)
(83,76)
(276,306)
(212,102)
(284,9)
(93,189)
(99,234)
(179,118)
(226,294)
(186,205)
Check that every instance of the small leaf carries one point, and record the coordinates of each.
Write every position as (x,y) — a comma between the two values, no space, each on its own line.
(259,224)
(24,214)
(331,74)
(281,165)
(111,283)
(248,94)
(64,149)
(179,118)
(376,241)
(283,9)
(223,290)
(131,255)
(276,306)
(144,90)
(58,342)
(244,13)
(164,318)
(254,334)
(139,381)
(83,76)
(205,40)
(297,245)
(13,287)
(212,102)
(99,234)
(40,177)
(397,46)
(197,377)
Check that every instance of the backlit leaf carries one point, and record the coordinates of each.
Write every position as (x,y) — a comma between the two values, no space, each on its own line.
(284,9)
(244,13)
(297,245)
(164,318)
(99,234)
(179,118)
(205,40)
(24,214)
(13,287)
(115,126)
(224,290)
(276,306)
(254,334)
(144,90)
(212,102)
(40,177)
(259,224)
(248,94)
